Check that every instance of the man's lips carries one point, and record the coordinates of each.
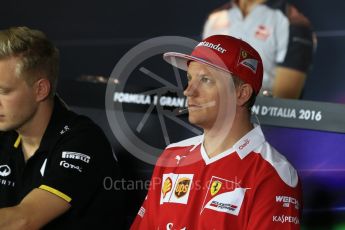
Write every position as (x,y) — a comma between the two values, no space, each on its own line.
(195,106)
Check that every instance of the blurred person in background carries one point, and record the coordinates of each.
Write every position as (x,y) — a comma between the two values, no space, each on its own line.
(279,32)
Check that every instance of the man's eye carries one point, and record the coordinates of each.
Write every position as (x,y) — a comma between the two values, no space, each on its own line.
(4,91)
(206,79)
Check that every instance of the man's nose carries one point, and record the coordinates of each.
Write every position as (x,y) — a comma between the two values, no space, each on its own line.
(191,89)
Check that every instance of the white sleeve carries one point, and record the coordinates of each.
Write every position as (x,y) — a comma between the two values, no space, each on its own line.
(281,35)
(216,23)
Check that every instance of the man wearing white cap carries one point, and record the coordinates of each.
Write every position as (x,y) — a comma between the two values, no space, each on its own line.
(229,177)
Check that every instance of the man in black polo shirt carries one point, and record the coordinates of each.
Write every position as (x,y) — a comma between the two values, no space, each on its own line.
(53,162)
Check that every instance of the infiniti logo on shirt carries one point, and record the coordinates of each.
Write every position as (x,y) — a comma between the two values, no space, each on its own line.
(5,170)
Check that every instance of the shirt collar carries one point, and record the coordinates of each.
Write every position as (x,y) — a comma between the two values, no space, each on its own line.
(59,124)
(249,142)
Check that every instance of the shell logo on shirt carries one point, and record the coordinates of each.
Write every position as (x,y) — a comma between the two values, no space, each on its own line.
(176,188)
(224,196)
(166,187)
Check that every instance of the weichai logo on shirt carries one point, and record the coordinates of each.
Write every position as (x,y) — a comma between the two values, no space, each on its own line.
(176,188)
(182,187)
(287,201)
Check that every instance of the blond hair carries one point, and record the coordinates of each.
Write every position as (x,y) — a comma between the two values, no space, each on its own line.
(37,56)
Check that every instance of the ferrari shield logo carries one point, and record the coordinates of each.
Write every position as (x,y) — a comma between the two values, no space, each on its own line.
(244,54)
(224,196)
(215,187)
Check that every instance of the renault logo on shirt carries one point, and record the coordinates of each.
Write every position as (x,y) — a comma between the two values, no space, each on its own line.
(5,170)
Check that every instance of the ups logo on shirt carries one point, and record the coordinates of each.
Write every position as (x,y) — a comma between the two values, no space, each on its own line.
(182,187)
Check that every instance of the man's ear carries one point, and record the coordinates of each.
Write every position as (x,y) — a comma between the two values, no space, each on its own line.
(43,88)
(244,92)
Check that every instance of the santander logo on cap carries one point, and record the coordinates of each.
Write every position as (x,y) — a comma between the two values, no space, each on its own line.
(231,55)
(213,46)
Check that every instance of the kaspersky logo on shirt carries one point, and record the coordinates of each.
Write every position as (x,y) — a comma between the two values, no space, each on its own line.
(224,196)
(213,46)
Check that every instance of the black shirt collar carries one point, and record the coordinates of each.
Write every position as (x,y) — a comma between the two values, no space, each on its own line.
(59,124)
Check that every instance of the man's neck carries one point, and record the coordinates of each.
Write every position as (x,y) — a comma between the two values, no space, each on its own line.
(31,134)
(217,141)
